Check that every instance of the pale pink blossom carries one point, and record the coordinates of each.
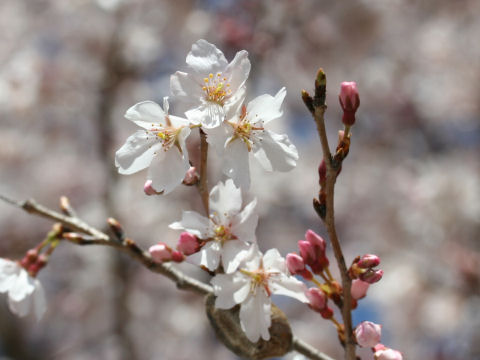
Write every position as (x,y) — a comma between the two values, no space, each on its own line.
(213,89)
(251,286)
(245,133)
(159,146)
(227,232)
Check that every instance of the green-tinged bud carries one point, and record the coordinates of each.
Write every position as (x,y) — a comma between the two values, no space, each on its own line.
(308,100)
(320,88)
(116,228)
(320,208)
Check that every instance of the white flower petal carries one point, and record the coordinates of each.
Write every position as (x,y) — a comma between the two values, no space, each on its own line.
(22,288)
(39,301)
(266,107)
(137,152)
(274,262)
(193,223)
(233,253)
(178,122)
(245,223)
(209,114)
(276,153)
(238,70)
(20,307)
(208,256)
(145,114)
(235,163)
(234,103)
(216,137)
(206,58)
(282,284)
(230,290)
(185,87)
(225,200)
(255,316)
(9,271)
(168,172)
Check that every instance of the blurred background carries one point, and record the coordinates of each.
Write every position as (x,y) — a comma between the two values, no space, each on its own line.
(409,190)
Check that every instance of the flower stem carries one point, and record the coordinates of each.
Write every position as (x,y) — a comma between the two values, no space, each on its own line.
(202,185)
(330,225)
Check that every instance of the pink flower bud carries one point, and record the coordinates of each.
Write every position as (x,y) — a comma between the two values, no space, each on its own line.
(349,101)
(307,252)
(368,261)
(160,252)
(359,289)
(368,334)
(177,256)
(379,347)
(29,258)
(294,263)
(371,276)
(187,244)
(36,266)
(149,190)
(327,313)
(384,353)
(317,299)
(316,240)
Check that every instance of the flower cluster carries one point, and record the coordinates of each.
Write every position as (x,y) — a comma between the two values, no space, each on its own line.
(223,242)
(214,92)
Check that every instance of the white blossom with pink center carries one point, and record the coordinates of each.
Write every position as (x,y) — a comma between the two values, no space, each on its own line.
(252,285)
(159,146)
(228,231)
(214,89)
(245,133)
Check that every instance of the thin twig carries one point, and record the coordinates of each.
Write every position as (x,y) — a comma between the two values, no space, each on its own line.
(99,238)
(308,350)
(128,246)
(202,185)
(332,233)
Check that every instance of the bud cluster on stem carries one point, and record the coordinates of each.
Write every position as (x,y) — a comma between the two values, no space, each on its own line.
(362,268)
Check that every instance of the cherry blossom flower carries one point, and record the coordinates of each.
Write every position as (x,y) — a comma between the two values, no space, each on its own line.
(25,293)
(245,133)
(227,232)
(159,146)
(214,89)
(252,285)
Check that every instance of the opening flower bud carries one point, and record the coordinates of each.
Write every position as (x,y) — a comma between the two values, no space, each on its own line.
(368,334)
